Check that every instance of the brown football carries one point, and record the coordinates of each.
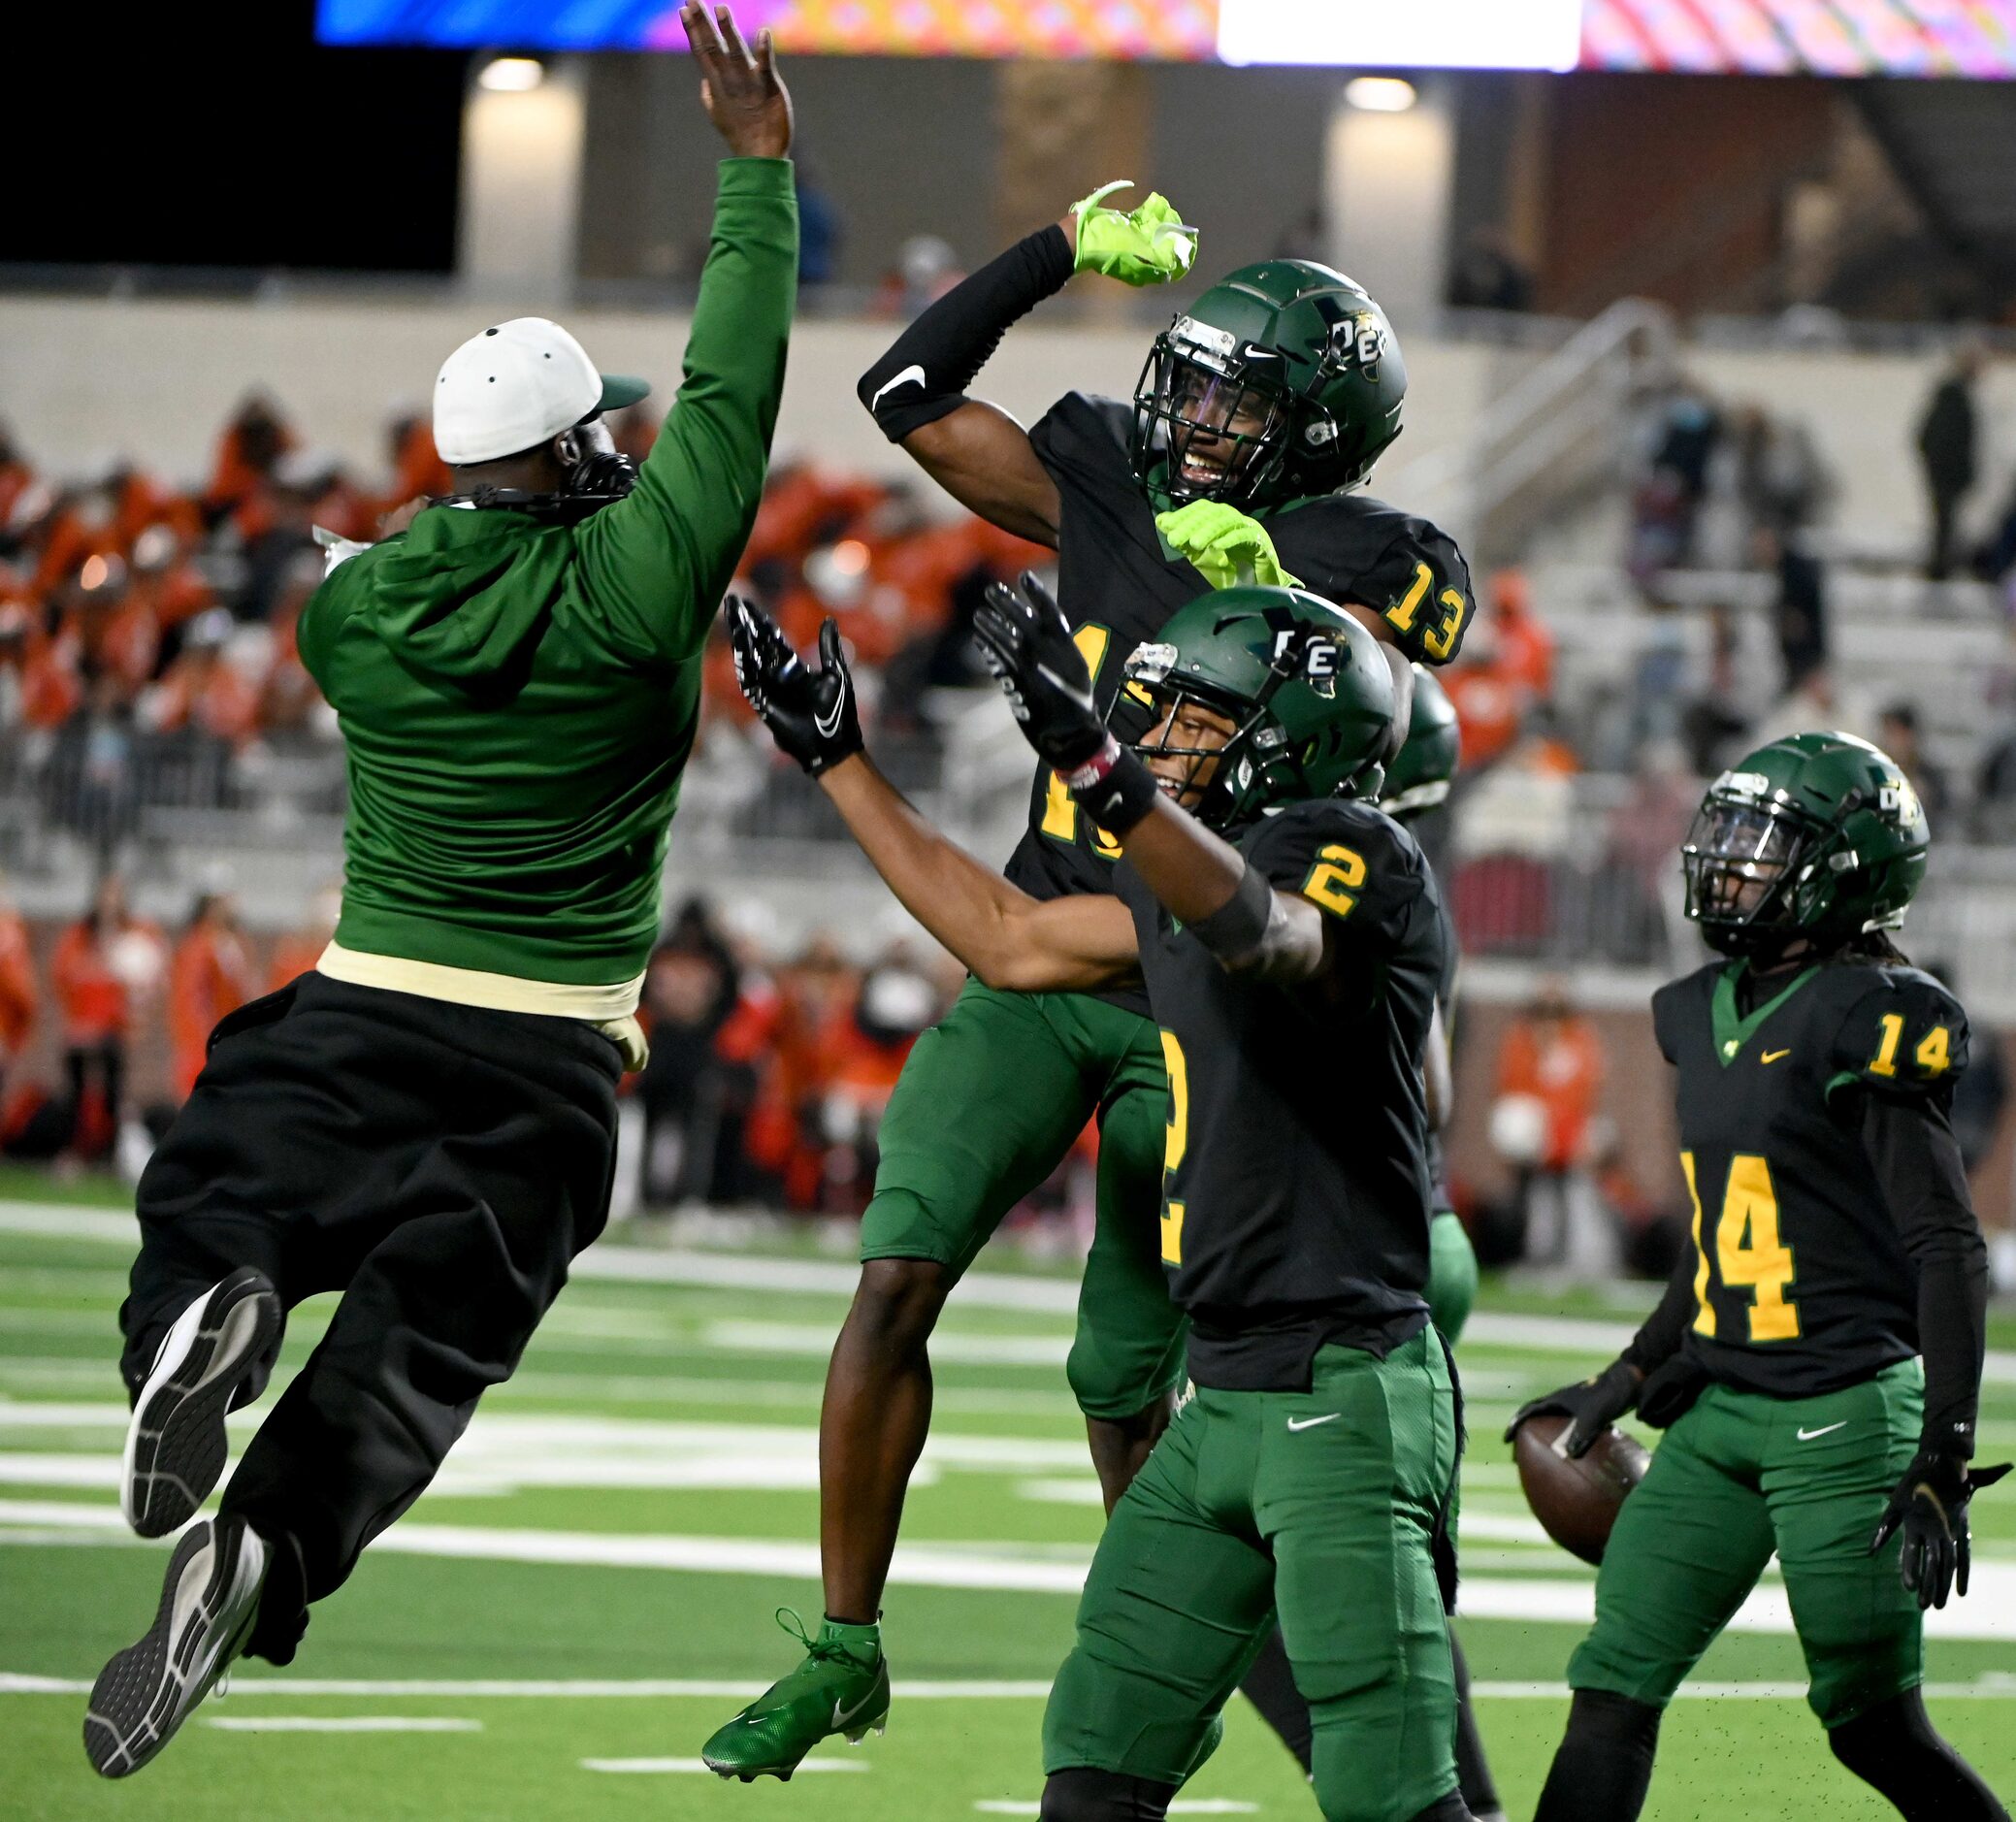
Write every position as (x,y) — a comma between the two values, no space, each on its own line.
(1577,1501)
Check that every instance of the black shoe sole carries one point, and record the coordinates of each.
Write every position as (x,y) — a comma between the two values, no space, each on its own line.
(178,1442)
(137,1701)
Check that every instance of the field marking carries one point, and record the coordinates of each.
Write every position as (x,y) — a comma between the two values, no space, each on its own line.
(1989,1613)
(652,1767)
(340,1724)
(545,1689)
(989,1290)
(732,1335)
(1992,1686)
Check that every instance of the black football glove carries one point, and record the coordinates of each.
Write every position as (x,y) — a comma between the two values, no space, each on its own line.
(1594,1405)
(1930,1505)
(1025,641)
(811,714)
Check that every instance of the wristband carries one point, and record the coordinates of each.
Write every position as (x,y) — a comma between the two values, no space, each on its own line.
(1236,929)
(1113,788)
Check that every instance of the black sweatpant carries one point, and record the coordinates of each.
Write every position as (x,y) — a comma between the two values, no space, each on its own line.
(438,1164)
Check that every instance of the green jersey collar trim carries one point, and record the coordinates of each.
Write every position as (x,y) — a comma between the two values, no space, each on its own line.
(1733,1032)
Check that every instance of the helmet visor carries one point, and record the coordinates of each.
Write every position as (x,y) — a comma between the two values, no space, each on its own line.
(1738,858)
(1215,434)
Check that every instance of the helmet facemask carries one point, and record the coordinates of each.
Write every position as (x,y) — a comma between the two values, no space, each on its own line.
(1209,421)
(1743,862)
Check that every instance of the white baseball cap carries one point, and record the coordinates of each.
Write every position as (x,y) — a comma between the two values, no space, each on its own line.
(516,386)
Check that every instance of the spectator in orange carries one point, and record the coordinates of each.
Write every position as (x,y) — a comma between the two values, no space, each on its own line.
(1525,647)
(19,998)
(210,976)
(247,453)
(1550,1073)
(417,468)
(1488,710)
(106,965)
(299,950)
(203,690)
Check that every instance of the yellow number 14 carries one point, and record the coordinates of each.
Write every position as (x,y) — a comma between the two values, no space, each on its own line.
(1749,1255)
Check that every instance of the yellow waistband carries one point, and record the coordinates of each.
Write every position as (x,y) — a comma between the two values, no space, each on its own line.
(610,1009)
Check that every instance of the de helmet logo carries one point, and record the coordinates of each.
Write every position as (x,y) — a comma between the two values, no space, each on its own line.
(1318,663)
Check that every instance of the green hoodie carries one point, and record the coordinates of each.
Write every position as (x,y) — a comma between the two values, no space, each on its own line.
(518,699)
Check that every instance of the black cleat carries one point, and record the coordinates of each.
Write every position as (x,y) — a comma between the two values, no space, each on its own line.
(176,1447)
(209,1604)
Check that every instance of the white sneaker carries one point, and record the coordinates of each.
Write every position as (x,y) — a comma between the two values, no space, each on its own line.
(208,1606)
(176,1447)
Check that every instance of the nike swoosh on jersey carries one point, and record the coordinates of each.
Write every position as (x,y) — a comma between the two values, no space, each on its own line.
(1310,1424)
(1826,1429)
(903,379)
(1772,1055)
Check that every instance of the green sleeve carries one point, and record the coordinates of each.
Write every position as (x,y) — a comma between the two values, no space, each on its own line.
(657,563)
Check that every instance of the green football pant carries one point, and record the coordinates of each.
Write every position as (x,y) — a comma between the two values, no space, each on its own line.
(1451,1274)
(1317,1508)
(1737,1478)
(989,1103)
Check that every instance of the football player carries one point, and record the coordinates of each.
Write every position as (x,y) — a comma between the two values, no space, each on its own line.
(1834,1245)
(1417,786)
(1290,939)
(1258,410)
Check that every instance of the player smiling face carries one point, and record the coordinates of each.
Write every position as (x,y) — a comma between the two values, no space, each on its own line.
(1218,427)
(1182,752)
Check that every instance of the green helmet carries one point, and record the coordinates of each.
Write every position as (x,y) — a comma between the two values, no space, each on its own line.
(1304,684)
(1419,777)
(1816,836)
(1282,381)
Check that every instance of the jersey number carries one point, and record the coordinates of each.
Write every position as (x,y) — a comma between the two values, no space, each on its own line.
(1059,813)
(1334,880)
(1749,1255)
(1933,1054)
(1437,641)
(1173,1142)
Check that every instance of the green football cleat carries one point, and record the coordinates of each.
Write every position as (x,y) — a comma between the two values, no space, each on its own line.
(842,1687)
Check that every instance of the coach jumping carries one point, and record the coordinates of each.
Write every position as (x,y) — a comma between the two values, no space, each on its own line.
(427,1121)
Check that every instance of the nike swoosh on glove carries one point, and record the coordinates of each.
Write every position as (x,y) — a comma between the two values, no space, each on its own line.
(812,715)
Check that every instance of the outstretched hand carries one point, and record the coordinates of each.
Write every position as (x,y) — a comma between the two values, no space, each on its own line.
(749,105)
(1026,642)
(811,714)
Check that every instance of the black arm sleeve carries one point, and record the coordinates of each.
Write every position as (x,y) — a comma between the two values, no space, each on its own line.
(1911,1148)
(925,372)
(1660,1335)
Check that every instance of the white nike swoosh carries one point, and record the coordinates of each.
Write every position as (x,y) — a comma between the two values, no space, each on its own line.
(889,385)
(1826,1429)
(829,728)
(842,1720)
(1310,1424)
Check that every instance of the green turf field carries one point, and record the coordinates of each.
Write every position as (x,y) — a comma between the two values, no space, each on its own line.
(553,1632)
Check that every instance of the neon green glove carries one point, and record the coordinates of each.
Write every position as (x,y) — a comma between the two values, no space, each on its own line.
(1227,547)
(1149,247)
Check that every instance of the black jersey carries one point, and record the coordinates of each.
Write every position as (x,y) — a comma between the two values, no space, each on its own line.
(1295,1196)
(1446,1002)
(1118,583)
(1801,1280)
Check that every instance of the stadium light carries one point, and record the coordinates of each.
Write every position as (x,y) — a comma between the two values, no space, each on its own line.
(511,76)
(1379,94)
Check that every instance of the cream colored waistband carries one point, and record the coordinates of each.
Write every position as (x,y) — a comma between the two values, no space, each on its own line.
(610,1009)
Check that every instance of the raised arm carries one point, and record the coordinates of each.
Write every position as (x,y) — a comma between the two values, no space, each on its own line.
(659,560)
(1202,881)
(975,451)
(1007,939)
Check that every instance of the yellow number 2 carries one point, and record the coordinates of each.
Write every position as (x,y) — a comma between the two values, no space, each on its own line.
(1059,813)
(1174,1141)
(1334,880)
(1749,1255)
